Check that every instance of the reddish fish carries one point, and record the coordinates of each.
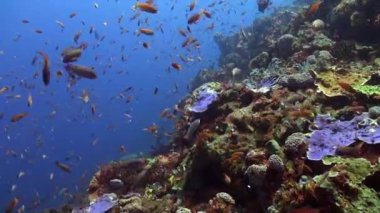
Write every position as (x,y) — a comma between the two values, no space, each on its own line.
(123,149)
(71,54)
(145,45)
(18,117)
(45,69)
(146,31)
(72,15)
(176,66)
(194,18)
(12,205)
(192,5)
(146,7)
(313,8)
(82,71)
(77,36)
(182,32)
(153,129)
(206,13)
(93,109)
(63,167)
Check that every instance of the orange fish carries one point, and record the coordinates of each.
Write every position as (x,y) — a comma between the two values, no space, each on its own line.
(153,129)
(77,36)
(72,15)
(188,41)
(194,18)
(11,205)
(146,31)
(123,149)
(182,32)
(46,69)
(211,26)
(63,167)
(145,44)
(165,112)
(192,5)
(18,117)
(59,74)
(82,71)
(129,99)
(206,13)
(146,7)
(313,8)
(93,109)
(176,66)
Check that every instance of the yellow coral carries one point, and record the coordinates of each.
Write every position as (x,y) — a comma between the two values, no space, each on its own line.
(329,82)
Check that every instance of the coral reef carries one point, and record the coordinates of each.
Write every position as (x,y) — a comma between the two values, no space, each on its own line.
(295,129)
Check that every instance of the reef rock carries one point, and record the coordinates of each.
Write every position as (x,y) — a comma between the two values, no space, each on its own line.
(286,45)
(260,61)
(297,81)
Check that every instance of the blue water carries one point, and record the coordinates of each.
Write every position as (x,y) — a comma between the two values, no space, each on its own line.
(60,126)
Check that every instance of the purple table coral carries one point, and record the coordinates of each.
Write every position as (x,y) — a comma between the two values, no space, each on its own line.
(331,134)
(369,135)
(103,203)
(204,99)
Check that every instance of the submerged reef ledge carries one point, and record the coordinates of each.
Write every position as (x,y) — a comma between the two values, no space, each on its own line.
(295,129)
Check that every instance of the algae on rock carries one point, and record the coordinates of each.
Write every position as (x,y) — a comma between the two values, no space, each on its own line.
(345,181)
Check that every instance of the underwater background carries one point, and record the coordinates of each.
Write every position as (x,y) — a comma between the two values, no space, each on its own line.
(59,124)
(186,106)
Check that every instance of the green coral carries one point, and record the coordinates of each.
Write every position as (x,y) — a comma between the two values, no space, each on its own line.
(152,190)
(359,168)
(376,62)
(321,41)
(176,179)
(345,181)
(367,89)
(216,86)
(274,148)
(328,81)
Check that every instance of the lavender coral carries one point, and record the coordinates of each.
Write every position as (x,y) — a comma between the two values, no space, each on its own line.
(331,134)
(205,97)
(103,203)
